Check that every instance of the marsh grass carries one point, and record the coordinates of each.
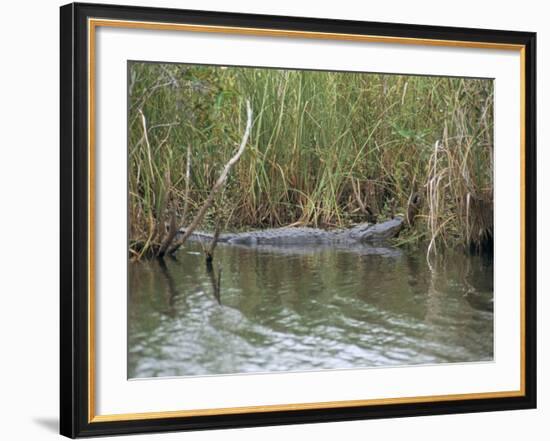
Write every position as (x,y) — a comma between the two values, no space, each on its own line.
(326,149)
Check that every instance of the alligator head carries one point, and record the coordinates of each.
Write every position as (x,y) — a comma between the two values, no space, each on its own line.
(376,232)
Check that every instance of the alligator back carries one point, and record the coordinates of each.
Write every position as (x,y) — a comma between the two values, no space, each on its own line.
(364,232)
(283,236)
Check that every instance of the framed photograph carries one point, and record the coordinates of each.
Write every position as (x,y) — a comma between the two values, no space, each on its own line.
(272,220)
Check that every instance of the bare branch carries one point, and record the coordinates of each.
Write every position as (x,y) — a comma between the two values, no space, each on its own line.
(218,184)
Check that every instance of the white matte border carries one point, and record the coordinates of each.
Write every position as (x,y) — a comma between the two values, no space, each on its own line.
(115,394)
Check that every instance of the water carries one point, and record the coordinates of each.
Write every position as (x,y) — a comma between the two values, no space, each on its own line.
(291,309)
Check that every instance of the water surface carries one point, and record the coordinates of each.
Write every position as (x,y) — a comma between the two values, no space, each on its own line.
(283,309)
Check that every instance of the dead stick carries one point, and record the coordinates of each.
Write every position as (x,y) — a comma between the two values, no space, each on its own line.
(218,184)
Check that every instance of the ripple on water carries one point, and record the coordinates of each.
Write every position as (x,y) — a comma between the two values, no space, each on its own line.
(320,309)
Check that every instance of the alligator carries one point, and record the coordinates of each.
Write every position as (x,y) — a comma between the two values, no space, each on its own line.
(361,233)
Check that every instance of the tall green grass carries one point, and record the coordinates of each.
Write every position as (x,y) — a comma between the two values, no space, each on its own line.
(324,146)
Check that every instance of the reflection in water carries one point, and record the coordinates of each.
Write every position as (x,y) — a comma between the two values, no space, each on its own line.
(303,309)
(215,280)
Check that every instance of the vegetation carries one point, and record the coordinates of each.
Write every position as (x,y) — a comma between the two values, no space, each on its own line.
(326,149)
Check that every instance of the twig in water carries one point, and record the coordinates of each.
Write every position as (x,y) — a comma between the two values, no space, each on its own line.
(210,251)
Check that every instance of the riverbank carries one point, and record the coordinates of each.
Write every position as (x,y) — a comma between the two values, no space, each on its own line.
(326,150)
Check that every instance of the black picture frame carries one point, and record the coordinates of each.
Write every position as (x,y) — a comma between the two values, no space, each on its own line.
(75,413)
